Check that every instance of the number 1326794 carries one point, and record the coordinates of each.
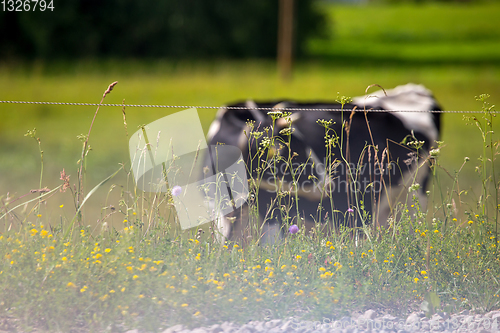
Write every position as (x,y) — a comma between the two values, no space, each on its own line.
(27,5)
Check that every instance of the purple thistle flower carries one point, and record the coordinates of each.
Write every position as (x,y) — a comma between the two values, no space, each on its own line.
(176,190)
(350,210)
(293,229)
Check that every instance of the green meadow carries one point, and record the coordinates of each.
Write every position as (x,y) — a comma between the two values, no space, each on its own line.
(364,45)
(215,84)
(433,32)
(121,265)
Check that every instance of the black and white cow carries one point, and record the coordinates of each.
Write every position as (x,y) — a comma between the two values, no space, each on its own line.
(354,175)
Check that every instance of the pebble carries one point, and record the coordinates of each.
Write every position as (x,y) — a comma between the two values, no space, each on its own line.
(368,322)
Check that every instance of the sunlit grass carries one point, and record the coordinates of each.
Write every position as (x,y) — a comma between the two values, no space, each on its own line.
(408,33)
(129,279)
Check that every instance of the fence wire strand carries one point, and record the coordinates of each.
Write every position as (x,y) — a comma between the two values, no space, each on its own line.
(231,107)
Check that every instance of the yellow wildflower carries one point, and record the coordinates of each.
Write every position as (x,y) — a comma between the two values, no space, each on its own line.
(299,293)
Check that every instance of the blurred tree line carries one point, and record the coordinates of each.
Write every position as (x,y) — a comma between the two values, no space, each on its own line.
(167,28)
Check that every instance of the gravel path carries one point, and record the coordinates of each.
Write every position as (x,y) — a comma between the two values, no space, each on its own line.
(370,321)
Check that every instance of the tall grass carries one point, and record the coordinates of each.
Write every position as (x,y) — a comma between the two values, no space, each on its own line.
(147,274)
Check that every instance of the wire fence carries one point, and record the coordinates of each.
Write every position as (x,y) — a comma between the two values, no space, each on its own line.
(232,107)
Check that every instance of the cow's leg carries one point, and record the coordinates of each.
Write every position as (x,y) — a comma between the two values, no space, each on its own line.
(241,226)
(223,224)
(271,233)
(392,195)
(319,228)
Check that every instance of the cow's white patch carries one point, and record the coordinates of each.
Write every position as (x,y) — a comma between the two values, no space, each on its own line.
(215,126)
(410,97)
(418,121)
(252,107)
(224,227)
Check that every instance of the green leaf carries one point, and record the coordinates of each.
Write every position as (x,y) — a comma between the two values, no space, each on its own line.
(85,200)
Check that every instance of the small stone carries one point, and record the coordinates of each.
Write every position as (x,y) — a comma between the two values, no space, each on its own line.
(286,325)
(273,323)
(245,329)
(335,325)
(436,317)
(275,330)
(260,327)
(389,317)
(227,327)
(444,315)
(468,319)
(215,329)
(199,330)
(336,330)
(436,326)
(176,328)
(250,327)
(370,314)
(491,313)
(347,322)
(413,318)
(390,325)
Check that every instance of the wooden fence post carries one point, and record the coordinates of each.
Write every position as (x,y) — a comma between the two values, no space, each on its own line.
(285,39)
